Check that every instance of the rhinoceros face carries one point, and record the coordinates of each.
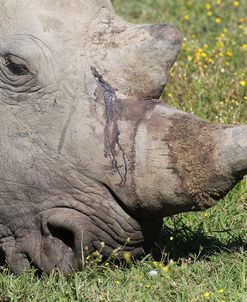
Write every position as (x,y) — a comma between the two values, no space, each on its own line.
(86,154)
(70,72)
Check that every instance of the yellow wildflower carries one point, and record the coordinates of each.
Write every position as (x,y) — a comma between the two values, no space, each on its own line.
(155,264)
(205,214)
(217,20)
(186,17)
(117,282)
(171,238)
(229,53)
(245,97)
(244,46)
(220,44)
(208,6)
(165,269)
(210,61)
(127,257)
(218,2)
(199,54)
(209,13)
(206,295)
(236,3)
(221,290)
(243,83)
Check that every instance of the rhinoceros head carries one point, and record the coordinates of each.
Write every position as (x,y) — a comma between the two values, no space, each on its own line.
(88,155)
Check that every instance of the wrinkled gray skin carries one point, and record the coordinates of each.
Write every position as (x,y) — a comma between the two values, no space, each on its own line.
(87,153)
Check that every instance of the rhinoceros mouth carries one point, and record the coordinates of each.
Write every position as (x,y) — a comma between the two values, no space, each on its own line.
(71,234)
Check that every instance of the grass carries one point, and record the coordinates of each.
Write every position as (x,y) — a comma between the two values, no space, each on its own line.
(204,255)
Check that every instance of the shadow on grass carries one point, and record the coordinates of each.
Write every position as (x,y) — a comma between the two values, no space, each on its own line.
(2,259)
(185,244)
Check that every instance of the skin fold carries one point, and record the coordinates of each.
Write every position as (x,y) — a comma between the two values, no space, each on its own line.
(90,159)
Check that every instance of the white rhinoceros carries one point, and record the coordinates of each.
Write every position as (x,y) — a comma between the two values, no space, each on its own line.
(88,155)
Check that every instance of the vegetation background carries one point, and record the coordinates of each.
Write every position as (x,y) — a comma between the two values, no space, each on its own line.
(204,255)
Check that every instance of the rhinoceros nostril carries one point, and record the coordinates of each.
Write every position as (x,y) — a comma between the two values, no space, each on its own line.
(62,233)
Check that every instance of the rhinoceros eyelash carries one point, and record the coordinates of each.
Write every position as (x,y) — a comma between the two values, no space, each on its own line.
(14,67)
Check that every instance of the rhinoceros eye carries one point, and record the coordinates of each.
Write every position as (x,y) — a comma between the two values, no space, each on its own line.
(16,65)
